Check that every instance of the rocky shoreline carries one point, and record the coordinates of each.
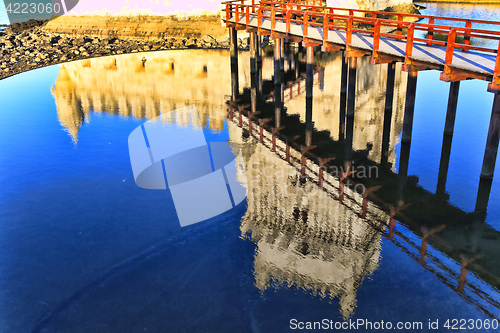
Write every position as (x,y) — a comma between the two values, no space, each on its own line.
(30,48)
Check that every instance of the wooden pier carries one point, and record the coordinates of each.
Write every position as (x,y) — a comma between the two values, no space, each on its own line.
(361,33)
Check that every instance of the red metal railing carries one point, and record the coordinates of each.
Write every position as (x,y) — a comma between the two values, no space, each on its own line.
(366,22)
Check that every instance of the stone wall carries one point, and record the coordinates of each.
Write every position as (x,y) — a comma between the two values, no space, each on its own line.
(138,27)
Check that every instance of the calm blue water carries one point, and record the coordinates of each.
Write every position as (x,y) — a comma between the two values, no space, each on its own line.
(84,249)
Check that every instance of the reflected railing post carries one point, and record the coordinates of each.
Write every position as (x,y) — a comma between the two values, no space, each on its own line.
(253,72)
(277,83)
(389,101)
(490,153)
(309,93)
(233,49)
(447,138)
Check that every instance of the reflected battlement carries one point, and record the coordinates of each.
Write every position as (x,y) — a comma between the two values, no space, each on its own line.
(305,238)
(145,85)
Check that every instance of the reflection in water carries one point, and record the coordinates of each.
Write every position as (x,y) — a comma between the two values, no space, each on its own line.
(305,238)
(200,169)
(370,98)
(147,84)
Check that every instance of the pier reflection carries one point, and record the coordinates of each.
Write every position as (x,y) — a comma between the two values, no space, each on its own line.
(305,238)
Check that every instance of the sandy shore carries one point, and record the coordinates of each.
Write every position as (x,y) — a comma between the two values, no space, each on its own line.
(34,46)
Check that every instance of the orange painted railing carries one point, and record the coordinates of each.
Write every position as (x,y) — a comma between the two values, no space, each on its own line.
(352,20)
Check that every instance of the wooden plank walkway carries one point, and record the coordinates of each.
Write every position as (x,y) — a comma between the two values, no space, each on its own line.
(473,61)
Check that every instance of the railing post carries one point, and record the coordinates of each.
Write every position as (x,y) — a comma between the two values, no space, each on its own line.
(490,152)
(468,25)
(430,31)
(288,17)
(350,21)
(237,13)
(247,15)
(374,18)
(495,82)
(450,46)
(409,42)
(325,28)
(259,18)
(400,26)
(376,35)
(309,94)
(273,20)
(306,22)
(228,12)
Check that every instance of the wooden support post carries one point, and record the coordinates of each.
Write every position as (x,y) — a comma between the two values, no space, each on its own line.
(277,83)
(234,63)
(349,134)
(447,138)
(389,101)
(309,94)
(411,90)
(443,166)
(282,73)
(297,65)
(452,108)
(404,158)
(351,89)
(482,200)
(259,63)
(343,95)
(253,74)
(351,97)
(490,153)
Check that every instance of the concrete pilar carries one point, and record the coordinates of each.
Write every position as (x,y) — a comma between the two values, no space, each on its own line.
(351,88)
(452,108)
(447,138)
(309,94)
(277,83)
(258,52)
(411,91)
(233,50)
(343,95)
(490,153)
(389,101)
(253,72)
(282,72)
(296,62)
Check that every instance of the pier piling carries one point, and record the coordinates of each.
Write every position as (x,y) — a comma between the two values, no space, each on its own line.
(389,100)
(233,50)
(490,153)
(411,90)
(309,94)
